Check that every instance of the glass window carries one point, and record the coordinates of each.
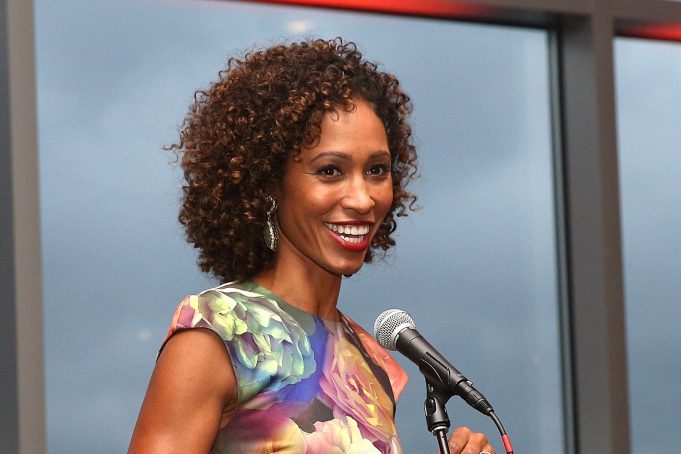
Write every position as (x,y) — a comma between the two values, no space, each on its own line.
(648,115)
(476,266)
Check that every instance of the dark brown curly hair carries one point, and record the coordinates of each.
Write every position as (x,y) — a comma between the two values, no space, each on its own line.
(238,134)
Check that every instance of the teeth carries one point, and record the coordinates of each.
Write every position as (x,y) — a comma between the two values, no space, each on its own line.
(353,239)
(355,230)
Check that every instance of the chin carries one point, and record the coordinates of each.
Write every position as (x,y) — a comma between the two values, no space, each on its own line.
(346,269)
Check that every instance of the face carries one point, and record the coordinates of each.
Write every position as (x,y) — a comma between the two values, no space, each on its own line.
(335,195)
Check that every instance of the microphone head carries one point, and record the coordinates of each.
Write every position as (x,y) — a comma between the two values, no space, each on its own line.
(389,325)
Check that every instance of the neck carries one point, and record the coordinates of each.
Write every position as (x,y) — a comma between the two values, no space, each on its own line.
(308,288)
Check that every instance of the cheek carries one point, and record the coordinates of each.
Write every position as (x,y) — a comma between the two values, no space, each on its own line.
(384,200)
(307,199)
(321,200)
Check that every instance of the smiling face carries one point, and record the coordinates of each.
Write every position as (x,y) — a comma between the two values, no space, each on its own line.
(335,195)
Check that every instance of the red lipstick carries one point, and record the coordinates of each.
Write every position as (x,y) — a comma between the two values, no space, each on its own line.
(351,246)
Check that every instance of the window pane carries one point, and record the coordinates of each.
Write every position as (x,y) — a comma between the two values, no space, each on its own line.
(475,266)
(648,114)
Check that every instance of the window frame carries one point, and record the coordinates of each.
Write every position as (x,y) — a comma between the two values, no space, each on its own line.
(594,357)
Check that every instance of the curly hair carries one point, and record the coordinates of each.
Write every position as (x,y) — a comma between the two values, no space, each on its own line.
(265,106)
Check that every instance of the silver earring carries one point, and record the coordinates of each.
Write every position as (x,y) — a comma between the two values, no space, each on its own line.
(271,236)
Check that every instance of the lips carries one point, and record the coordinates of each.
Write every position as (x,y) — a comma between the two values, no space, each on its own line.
(354,237)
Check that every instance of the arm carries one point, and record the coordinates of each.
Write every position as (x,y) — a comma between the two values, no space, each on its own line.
(192,393)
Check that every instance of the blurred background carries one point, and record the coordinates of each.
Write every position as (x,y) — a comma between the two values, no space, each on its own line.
(476,266)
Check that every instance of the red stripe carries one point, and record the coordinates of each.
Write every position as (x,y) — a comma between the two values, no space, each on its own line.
(507,443)
(442,8)
(667,32)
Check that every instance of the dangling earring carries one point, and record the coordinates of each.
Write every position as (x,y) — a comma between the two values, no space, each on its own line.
(271,236)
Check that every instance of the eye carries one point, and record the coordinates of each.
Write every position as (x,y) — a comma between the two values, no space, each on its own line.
(329,171)
(378,170)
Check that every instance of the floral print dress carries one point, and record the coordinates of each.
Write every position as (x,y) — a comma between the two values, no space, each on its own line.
(304,384)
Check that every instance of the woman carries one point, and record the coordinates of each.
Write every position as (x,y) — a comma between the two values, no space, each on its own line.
(296,163)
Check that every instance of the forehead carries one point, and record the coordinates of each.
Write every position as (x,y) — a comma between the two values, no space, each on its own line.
(357,129)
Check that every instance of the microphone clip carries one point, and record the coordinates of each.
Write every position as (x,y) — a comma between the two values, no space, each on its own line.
(437,419)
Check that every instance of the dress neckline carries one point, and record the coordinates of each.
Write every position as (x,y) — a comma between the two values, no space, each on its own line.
(250,285)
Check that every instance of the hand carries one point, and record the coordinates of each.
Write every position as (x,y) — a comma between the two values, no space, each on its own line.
(465,441)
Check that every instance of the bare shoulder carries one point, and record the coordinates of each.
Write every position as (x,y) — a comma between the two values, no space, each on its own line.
(192,392)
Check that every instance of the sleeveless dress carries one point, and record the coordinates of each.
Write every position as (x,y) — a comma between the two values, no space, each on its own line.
(304,384)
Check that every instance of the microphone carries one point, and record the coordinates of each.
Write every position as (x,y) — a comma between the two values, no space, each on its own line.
(395,330)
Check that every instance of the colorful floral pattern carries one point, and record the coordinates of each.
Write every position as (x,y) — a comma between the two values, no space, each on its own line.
(305,385)
(341,436)
(350,390)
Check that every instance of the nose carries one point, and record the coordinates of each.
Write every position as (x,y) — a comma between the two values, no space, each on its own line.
(358,196)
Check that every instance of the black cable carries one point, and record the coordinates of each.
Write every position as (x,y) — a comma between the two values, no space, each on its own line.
(504,437)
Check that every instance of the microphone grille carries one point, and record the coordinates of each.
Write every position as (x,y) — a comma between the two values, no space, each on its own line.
(389,324)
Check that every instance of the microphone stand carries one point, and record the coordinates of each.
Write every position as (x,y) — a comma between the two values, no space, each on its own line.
(437,419)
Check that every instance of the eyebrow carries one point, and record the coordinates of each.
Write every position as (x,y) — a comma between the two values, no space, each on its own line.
(346,156)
